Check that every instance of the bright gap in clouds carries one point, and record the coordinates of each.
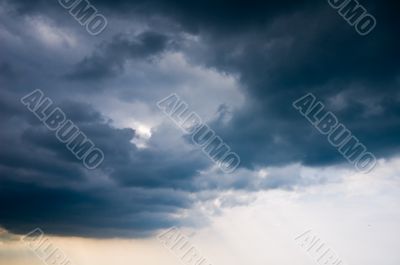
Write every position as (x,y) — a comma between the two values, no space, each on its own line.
(133,105)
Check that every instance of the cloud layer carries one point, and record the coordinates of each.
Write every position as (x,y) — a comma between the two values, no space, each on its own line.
(240,65)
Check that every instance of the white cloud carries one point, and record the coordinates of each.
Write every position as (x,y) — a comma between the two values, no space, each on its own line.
(49,34)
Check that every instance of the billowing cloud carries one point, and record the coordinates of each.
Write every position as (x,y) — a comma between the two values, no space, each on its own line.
(240,65)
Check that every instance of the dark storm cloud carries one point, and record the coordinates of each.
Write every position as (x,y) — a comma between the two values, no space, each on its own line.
(43,184)
(227,16)
(192,15)
(6,70)
(109,60)
(284,49)
(281,50)
(94,212)
(313,52)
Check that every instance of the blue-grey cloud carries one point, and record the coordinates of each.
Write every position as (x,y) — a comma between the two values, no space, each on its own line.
(279,51)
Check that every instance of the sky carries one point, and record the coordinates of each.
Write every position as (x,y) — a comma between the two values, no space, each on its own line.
(239,66)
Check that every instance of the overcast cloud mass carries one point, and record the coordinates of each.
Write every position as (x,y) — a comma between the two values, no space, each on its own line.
(238,64)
